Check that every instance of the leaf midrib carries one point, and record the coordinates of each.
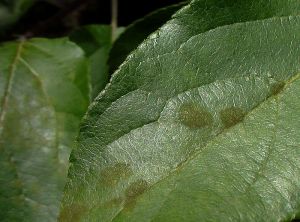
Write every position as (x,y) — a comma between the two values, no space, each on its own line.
(9,83)
(36,75)
(196,153)
(118,72)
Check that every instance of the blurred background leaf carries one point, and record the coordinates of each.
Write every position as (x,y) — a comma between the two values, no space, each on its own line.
(11,10)
(44,93)
(96,41)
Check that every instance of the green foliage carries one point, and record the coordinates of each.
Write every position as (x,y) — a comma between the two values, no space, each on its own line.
(11,10)
(182,90)
(96,41)
(137,32)
(199,122)
(44,93)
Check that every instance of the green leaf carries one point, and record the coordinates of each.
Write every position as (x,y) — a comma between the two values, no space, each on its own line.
(248,173)
(44,93)
(11,10)
(96,41)
(186,86)
(106,56)
(137,32)
(92,37)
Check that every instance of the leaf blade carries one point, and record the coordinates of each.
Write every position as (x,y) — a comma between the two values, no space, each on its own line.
(157,72)
(137,32)
(221,186)
(37,127)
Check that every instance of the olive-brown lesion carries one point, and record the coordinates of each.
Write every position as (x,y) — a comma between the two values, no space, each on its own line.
(231,116)
(134,190)
(277,87)
(110,176)
(72,213)
(194,116)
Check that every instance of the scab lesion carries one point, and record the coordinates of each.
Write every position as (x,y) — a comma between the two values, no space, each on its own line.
(277,87)
(231,116)
(194,116)
(110,176)
(72,213)
(114,202)
(134,190)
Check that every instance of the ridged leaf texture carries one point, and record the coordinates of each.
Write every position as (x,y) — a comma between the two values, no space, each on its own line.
(200,123)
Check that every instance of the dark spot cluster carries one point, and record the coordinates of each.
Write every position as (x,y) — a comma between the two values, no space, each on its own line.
(195,116)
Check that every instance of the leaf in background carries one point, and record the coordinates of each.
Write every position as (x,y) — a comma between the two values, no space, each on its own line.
(96,41)
(149,120)
(137,32)
(11,10)
(44,93)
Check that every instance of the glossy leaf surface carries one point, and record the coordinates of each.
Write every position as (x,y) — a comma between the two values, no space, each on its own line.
(187,85)
(137,32)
